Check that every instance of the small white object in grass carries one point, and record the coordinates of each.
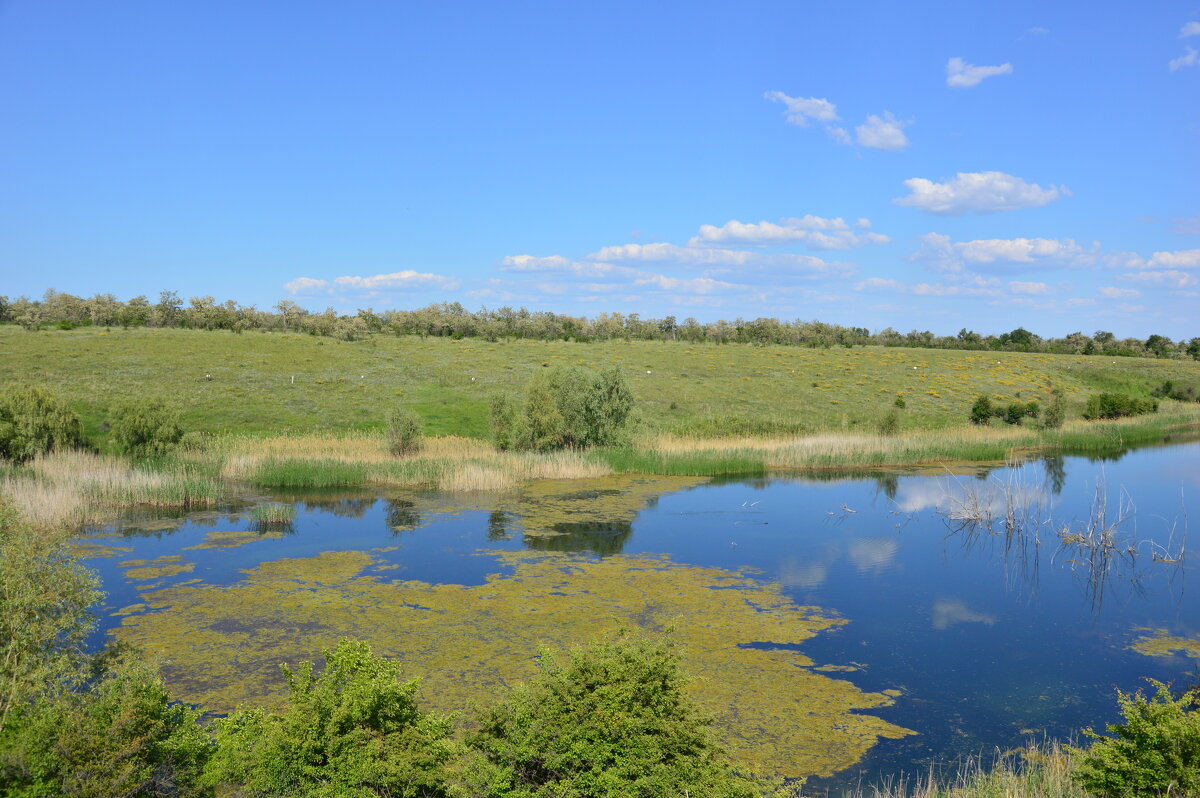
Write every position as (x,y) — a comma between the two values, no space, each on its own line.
(647,371)
(914,368)
(472,379)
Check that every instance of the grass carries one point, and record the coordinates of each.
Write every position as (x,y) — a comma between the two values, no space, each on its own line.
(686,390)
(1041,771)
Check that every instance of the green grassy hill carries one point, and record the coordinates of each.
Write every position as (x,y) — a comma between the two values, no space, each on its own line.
(278,382)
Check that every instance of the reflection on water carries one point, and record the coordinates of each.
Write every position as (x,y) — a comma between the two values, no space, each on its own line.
(998,601)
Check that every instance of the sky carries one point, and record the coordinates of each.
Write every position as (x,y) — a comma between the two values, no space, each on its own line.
(918,165)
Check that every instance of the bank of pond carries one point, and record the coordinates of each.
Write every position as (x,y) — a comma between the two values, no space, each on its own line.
(839,631)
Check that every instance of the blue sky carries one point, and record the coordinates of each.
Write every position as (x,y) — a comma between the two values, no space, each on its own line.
(914,165)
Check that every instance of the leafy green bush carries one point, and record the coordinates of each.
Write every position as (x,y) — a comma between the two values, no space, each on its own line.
(120,735)
(565,406)
(404,432)
(1056,410)
(611,718)
(981,411)
(353,730)
(1117,405)
(33,421)
(145,427)
(1178,392)
(1155,752)
(890,423)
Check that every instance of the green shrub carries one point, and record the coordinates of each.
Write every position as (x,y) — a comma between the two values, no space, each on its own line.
(404,432)
(354,729)
(611,718)
(900,403)
(1117,405)
(1176,391)
(565,406)
(890,423)
(33,421)
(1056,410)
(1155,752)
(145,428)
(981,411)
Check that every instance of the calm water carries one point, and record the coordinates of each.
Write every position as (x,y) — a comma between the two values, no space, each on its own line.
(991,635)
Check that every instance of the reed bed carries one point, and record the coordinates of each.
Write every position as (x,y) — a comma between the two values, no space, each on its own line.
(69,488)
(1041,771)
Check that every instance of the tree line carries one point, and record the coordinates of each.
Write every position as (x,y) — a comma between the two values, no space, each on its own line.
(452,320)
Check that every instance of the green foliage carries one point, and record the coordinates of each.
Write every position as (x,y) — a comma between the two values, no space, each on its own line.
(43,612)
(145,427)
(565,407)
(1178,391)
(1155,752)
(354,730)
(1056,410)
(120,735)
(508,425)
(900,403)
(1015,411)
(890,423)
(404,432)
(610,719)
(981,411)
(1116,405)
(33,420)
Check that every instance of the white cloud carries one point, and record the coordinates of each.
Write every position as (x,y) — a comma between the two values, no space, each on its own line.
(1190,29)
(305,285)
(1181,259)
(1190,58)
(801,109)
(1038,31)
(534,263)
(703,256)
(1188,226)
(1118,293)
(976,192)
(939,252)
(698,285)
(406,279)
(839,134)
(879,284)
(1033,289)
(882,133)
(961,75)
(1169,278)
(815,231)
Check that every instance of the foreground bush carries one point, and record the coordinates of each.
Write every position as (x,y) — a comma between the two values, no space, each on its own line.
(611,719)
(33,421)
(354,730)
(145,428)
(1117,405)
(1156,751)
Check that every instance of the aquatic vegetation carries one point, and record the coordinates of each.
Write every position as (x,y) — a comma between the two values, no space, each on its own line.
(159,567)
(273,516)
(231,539)
(224,642)
(1161,643)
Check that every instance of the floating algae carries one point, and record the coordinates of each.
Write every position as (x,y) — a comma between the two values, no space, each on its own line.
(223,644)
(231,539)
(1161,643)
(167,565)
(91,550)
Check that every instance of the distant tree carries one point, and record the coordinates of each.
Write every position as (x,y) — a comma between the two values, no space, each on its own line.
(1193,348)
(1159,345)
(33,421)
(1056,410)
(145,427)
(404,432)
(566,406)
(981,411)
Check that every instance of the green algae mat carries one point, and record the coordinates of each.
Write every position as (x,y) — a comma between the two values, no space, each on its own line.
(779,714)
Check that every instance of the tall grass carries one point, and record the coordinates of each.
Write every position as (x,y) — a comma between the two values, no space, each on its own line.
(69,488)
(1041,771)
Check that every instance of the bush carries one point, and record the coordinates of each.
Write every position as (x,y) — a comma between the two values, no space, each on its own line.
(404,432)
(145,428)
(354,729)
(1117,405)
(612,718)
(1180,393)
(1156,751)
(1056,410)
(981,411)
(565,407)
(900,403)
(890,423)
(33,421)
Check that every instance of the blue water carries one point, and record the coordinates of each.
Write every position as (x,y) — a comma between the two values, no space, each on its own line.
(992,637)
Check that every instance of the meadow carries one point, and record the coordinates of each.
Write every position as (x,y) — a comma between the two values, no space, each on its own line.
(277,383)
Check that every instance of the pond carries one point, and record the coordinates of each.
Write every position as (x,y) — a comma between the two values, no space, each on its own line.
(846,628)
